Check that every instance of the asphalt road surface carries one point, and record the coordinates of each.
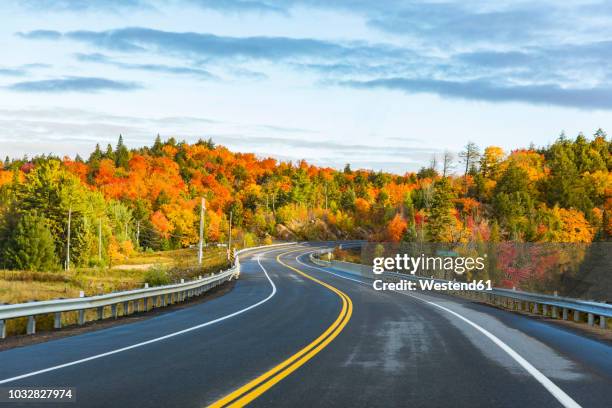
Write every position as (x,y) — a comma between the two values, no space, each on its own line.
(291,334)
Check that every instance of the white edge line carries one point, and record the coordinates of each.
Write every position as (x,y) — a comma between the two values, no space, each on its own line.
(144,343)
(551,387)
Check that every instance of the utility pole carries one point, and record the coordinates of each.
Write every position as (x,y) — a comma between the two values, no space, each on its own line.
(100,239)
(325,196)
(229,241)
(202,210)
(68,243)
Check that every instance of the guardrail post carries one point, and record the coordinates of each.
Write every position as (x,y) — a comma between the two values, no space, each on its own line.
(100,312)
(535,308)
(81,319)
(163,301)
(602,323)
(555,312)
(2,329)
(146,304)
(576,316)
(591,319)
(57,320)
(545,310)
(31,329)
(519,306)
(126,308)
(114,310)
(565,313)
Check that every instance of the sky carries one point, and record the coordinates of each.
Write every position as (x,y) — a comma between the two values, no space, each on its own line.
(383,85)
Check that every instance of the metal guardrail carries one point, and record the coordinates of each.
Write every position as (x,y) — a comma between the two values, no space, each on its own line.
(547,305)
(151,297)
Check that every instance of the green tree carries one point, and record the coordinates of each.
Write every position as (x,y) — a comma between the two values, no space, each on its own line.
(122,154)
(31,246)
(109,154)
(565,186)
(513,200)
(347,199)
(440,218)
(156,150)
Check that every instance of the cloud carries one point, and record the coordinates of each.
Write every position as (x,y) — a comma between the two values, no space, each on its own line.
(240,6)
(81,5)
(202,45)
(12,71)
(74,84)
(475,49)
(459,23)
(21,70)
(595,98)
(40,35)
(113,6)
(158,68)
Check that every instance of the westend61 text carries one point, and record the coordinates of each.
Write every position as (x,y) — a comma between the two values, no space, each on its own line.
(430,284)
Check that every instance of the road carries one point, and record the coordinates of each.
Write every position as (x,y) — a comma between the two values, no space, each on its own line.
(296,335)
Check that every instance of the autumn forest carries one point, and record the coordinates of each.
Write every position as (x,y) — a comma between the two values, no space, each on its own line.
(121,201)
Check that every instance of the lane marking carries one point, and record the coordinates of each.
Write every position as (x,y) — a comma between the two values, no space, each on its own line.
(550,386)
(253,389)
(144,343)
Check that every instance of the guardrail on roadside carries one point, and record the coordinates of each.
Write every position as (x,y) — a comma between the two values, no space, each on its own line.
(141,299)
(546,305)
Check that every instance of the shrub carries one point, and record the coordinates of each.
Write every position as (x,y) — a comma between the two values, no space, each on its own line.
(157,276)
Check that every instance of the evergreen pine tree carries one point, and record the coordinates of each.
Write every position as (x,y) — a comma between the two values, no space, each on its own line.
(156,150)
(109,154)
(440,218)
(31,245)
(122,154)
(96,156)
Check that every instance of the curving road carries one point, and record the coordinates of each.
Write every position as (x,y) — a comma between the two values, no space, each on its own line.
(293,334)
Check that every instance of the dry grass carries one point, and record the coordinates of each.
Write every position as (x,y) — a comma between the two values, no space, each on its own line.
(26,286)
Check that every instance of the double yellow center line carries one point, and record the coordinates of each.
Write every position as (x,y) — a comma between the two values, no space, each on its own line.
(253,389)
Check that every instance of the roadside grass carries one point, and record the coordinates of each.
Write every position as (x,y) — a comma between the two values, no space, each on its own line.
(346,255)
(156,268)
